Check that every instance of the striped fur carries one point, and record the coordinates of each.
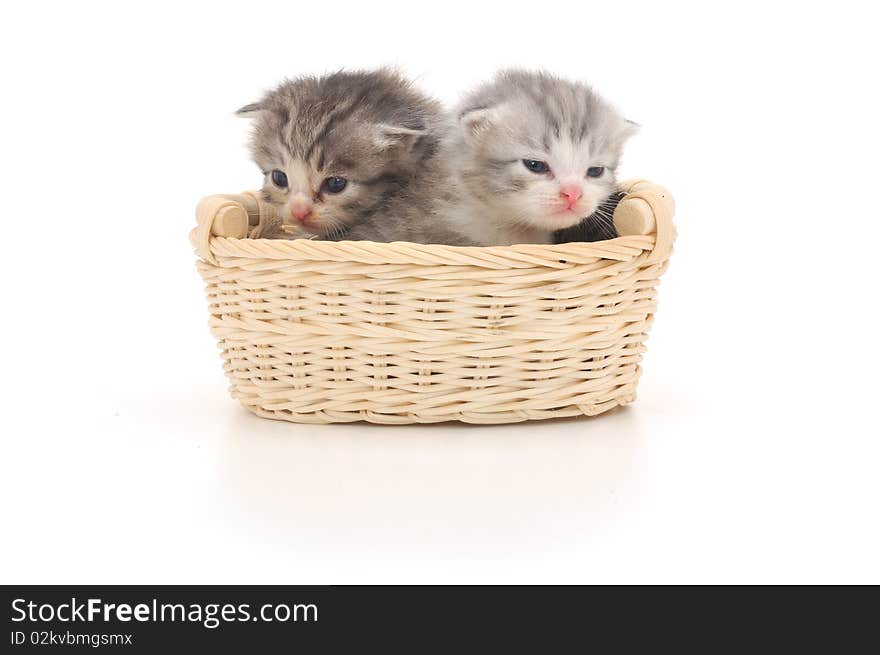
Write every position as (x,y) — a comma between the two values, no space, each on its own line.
(371,128)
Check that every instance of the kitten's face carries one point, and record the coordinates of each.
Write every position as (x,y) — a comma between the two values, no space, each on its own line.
(323,183)
(333,149)
(542,167)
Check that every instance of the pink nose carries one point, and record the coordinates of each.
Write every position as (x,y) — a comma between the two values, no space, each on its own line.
(571,193)
(300,210)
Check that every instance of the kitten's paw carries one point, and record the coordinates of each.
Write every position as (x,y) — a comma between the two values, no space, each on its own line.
(291,231)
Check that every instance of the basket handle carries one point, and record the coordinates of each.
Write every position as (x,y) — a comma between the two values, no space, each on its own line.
(228,216)
(647,209)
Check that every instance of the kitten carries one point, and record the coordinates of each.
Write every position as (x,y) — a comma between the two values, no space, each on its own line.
(533,154)
(354,156)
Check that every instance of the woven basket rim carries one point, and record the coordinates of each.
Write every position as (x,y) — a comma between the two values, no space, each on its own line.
(403,252)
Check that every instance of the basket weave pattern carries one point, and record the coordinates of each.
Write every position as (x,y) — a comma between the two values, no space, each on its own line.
(322,332)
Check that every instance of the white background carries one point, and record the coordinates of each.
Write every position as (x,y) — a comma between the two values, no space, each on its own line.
(751,454)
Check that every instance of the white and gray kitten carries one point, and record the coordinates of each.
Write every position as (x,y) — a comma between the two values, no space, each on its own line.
(353,156)
(532,154)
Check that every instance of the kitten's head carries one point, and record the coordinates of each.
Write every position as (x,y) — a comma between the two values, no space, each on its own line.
(333,149)
(540,151)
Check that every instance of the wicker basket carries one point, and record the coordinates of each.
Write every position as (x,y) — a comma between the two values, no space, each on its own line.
(324,332)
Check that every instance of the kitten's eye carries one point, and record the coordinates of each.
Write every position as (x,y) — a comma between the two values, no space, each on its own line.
(595,171)
(334,184)
(536,166)
(279,179)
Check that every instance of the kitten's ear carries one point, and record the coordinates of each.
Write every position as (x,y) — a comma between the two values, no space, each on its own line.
(630,128)
(475,122)
(389,136)
(251,110)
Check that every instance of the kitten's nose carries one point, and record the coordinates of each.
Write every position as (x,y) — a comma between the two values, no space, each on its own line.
(300,207)
(571,193)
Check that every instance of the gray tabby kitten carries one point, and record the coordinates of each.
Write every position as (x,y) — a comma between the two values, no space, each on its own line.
(352,155)
(533,154)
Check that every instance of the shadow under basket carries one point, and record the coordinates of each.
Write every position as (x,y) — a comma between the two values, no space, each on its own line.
(326,332)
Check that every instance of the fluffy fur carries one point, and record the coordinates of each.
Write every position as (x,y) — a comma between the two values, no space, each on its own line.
(531,116)
(370,128)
